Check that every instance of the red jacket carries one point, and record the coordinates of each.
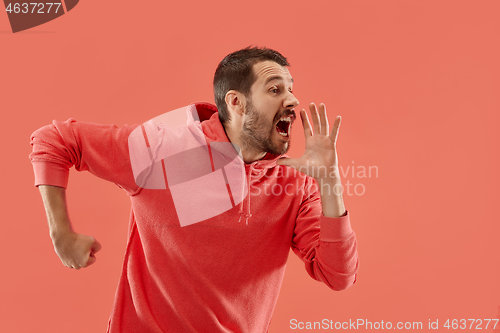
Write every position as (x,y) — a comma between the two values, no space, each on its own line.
(202,254)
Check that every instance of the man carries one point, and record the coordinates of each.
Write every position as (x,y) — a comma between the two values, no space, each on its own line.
(216,205)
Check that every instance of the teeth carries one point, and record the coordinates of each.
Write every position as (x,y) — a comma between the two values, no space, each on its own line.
(289,121)
(282,134)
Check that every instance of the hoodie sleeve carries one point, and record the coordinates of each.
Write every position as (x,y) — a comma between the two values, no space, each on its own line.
(100,149)
(326,245)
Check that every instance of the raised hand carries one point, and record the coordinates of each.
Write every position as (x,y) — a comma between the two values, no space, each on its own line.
(320,156)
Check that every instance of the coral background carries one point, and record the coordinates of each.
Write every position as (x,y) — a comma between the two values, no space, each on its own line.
(416,82)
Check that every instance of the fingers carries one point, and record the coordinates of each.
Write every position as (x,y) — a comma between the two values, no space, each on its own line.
(305,123)
(73,265)
(325,127)
(82,254)
(320,119)
(96,247)
(91,260)
(84,262)
(335,130)
(315,118)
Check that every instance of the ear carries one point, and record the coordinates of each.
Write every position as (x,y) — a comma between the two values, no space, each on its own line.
(235,102)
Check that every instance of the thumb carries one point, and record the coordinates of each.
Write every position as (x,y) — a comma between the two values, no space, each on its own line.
(96,247)
(291,162)
(91,260)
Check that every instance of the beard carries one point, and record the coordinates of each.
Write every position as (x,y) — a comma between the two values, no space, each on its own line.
(257,133)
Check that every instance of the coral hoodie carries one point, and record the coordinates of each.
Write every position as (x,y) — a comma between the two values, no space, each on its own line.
(209,235)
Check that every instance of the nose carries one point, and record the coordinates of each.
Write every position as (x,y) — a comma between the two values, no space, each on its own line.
(291,101)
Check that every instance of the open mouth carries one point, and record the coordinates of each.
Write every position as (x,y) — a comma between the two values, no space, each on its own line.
(283,126)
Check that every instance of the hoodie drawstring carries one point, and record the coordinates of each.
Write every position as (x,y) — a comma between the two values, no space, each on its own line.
(247,214)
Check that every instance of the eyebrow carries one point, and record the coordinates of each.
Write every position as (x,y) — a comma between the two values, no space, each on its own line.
(275,77)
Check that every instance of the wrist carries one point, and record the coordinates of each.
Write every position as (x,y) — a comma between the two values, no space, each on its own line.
(331,190)
(333,179)
(62,230)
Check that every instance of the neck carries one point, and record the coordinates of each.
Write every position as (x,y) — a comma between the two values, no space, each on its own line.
(249,154)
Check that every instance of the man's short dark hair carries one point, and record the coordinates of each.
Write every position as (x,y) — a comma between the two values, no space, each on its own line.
(235,72)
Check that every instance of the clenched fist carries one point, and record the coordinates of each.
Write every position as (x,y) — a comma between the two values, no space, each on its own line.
(76,250)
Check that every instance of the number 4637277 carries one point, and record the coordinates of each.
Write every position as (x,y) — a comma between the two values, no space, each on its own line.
(24,8)
(475,324)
